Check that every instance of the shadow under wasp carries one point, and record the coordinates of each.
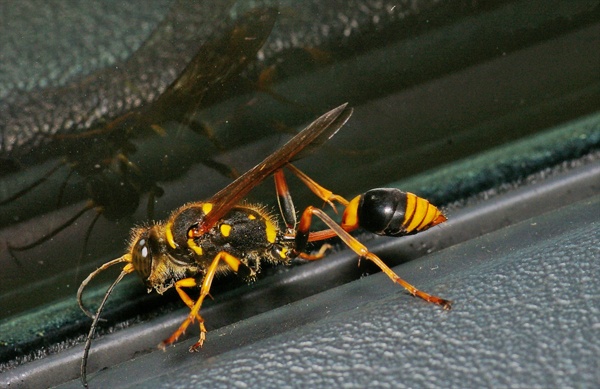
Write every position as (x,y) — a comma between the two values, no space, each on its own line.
(202,239)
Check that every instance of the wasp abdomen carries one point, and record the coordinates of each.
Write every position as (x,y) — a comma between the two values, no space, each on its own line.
(392,212)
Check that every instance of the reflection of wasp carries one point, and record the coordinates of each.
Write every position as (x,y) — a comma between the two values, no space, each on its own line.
(202,239)
(114,182)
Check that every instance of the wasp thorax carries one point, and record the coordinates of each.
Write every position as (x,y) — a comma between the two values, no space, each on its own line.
(145,246)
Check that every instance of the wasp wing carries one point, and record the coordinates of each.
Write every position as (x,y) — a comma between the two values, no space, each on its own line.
(306,141)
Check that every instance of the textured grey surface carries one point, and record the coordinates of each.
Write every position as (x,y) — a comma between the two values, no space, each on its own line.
(47,43)
(92,101)
(526,314)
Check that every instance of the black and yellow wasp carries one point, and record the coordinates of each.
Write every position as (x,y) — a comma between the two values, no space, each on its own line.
(202,239)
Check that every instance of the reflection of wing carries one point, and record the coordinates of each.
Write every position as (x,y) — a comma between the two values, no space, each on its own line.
(317,133)
(218,60)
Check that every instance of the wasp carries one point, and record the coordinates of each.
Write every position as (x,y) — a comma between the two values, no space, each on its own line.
(202,239)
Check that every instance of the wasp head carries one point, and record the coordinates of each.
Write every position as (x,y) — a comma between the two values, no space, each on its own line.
(154,261)
(145,247)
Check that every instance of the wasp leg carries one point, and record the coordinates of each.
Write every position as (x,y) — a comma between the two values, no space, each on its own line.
(63,186)
(205,129)
(324,194)
(34,184)
(288,212)
(235,264)
(302,237)
(286,204)
(284,198)
(86,240)
(55,232)
(319,255)
(190,283)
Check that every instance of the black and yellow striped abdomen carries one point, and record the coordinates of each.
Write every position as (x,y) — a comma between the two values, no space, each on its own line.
(392,212)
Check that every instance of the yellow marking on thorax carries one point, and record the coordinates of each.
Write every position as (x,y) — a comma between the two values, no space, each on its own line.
(283,253)
(225,230)
(197,249)
(271,231)
(169,235)
(206,208)
(271,228)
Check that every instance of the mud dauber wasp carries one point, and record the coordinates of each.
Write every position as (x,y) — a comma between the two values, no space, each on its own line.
(202,239)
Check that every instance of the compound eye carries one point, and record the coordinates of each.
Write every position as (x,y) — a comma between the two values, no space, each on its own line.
(142,256)
(144,250)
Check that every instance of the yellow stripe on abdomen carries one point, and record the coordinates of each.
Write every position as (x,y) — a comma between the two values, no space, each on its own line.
(422,214)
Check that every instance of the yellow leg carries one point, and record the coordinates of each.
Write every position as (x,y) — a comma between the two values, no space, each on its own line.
(188,283)
(363,252)
(319,255)
(324,194)
(194,314)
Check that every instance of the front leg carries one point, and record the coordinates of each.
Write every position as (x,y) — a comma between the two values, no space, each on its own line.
(234,264)
(189,283)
